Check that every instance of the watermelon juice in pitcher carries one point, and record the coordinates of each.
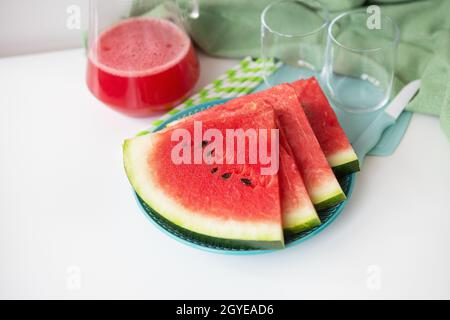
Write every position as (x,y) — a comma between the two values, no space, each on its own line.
(139,65)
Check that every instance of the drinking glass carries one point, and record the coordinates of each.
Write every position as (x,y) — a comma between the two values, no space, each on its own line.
(139,64)
(360,59)
(293,35)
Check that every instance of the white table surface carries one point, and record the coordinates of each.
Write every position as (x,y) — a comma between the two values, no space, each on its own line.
(70,228)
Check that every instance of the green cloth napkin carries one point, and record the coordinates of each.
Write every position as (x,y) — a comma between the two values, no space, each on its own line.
(231,28)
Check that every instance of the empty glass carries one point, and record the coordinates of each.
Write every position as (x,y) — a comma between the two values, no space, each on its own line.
(360,59)
(293,33)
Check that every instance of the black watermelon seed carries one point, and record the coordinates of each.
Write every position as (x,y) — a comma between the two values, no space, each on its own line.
(246,181)
(210,153)
(226,175)
(214,170)
(204,143)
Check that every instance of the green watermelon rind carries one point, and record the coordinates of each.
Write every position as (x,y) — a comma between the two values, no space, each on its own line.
(327,217)
(146,191)
(203,240)
(309,223)
(344,162)
(328,196)
(346,168)
(330,202)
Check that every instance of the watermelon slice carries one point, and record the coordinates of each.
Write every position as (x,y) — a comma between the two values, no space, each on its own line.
(233,205)
(332,138)
(297,210)
(320,181)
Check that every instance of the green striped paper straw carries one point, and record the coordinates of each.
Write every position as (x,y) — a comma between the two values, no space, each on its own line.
(238,81)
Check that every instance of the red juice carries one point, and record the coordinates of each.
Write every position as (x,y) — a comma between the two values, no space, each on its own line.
(142,65)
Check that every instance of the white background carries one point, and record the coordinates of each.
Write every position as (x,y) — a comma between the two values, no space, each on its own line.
(28,26)
(70,228)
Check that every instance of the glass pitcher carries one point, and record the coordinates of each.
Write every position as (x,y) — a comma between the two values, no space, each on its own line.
(140,58)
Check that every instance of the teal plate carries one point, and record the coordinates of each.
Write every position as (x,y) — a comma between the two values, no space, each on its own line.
(326,216)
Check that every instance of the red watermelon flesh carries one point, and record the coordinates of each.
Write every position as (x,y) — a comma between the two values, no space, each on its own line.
(324,122)
(297,209)
(230,204)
